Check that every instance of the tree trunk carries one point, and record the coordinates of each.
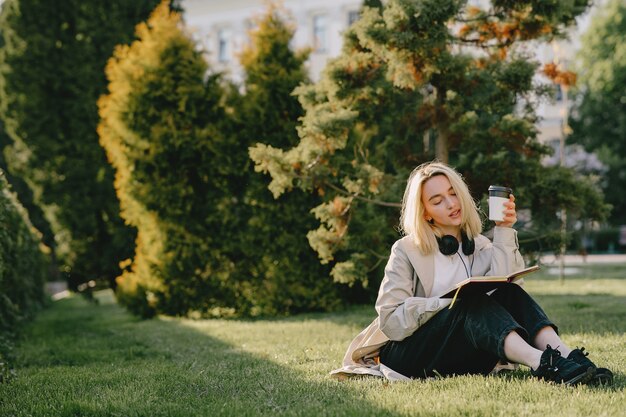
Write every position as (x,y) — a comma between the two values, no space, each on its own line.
(441,146)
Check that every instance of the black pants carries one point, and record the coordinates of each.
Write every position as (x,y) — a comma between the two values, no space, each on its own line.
(469,337)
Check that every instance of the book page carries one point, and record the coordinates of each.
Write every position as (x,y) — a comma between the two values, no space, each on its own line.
(487,283)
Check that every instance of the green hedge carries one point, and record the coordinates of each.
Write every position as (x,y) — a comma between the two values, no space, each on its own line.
(52,58)
(22,271)
(211,239)
(166,133)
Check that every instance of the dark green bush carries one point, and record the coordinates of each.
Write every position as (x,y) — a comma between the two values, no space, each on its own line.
(52,58)
(166,132)
(22,271)
(212,241)
(280,272)
(605,240)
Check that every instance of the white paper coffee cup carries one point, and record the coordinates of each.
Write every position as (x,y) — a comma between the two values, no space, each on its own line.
(497,197)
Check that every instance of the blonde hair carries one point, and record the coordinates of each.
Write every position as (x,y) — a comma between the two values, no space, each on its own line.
(412,219)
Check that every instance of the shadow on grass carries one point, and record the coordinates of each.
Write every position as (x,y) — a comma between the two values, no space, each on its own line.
(81,359)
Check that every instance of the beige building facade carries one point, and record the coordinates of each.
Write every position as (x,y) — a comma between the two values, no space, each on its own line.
(221,28)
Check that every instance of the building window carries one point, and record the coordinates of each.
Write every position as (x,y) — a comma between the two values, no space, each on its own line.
(558,93)
(320,23)
(353,16)
(223,45)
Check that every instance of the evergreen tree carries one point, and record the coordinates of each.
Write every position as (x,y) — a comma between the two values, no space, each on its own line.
(166,132)
(51,75)
(21,189)
(599,115)
(22,273)
(25,197)
(372,3)
(279,272)
(416,80)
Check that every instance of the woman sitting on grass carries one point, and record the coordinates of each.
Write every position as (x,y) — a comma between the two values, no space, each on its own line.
(416,335)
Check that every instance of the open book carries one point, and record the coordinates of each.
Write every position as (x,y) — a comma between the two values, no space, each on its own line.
(485,284)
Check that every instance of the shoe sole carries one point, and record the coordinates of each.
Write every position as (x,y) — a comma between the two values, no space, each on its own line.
(582,378)
(602,379)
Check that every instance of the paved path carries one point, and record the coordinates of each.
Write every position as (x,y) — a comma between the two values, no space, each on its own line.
(590,259)
(57,289)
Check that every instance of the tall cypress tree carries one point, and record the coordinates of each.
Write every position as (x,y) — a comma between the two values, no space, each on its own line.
(166,132)
(279,271)
(23,271)
(25,196)
(51,75)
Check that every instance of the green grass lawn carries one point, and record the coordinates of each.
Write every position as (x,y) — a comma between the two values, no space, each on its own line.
(81,359)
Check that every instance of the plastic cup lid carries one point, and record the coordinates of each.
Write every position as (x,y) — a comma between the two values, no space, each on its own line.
(500,188)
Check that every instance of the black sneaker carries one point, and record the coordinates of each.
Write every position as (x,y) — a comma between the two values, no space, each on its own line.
(553,367)
(603,375)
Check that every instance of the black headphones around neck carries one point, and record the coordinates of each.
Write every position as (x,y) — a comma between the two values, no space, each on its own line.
(448,245)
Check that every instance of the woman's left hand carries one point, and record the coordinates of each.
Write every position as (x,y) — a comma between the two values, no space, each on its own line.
(510,215)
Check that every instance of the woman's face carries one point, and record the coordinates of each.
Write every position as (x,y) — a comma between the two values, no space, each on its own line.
(441,204)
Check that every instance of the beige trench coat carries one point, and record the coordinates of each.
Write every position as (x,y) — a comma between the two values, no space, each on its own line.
(404,303)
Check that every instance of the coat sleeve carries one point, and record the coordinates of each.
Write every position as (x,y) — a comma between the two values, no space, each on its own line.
(399,311)
(506,257)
